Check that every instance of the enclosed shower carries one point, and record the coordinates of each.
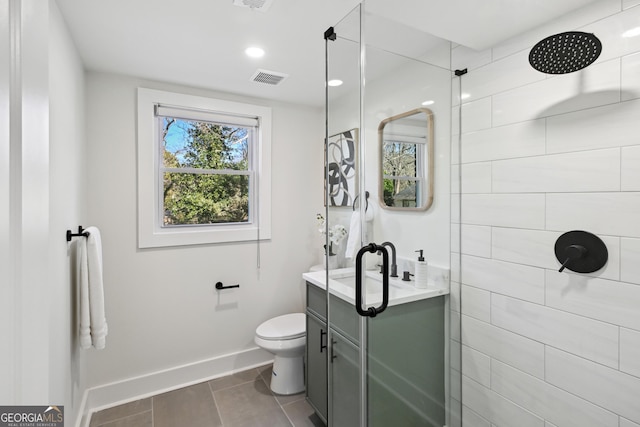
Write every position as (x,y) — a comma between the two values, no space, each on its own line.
(522,146)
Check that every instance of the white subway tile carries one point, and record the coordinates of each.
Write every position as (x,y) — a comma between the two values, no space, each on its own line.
(454,293)
(609,388)
(476,115)
(610,30)
(476,177)
(575,19)
(613,214)
(626,4)
(455,267)
(476,366)
(585,130)
(519,281)
(505,142)
(536,248)
(596,85)
(630,76)
(607,300)
(476,240)
(530,247)
(455,133)
(455,318)
(472,419)
(476,303)
(596,170)
(629,256)
(463,57)
(455,179)
(501,75)
(496,408)
(629,351)
(504,210)
(547,401)
(455,238)
(588,338)
(512,349)
(631,168)
(626,423)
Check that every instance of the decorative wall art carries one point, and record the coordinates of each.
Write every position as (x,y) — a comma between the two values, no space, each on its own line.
(342,163)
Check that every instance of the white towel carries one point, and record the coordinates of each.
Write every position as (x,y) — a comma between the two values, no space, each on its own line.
(93,323)
(355,229)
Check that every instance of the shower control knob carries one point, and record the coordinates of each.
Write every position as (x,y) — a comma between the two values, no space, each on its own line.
(581,252)
(573,252)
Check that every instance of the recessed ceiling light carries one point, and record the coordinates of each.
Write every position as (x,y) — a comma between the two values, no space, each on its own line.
(429,102)
(334,82)
(254,52)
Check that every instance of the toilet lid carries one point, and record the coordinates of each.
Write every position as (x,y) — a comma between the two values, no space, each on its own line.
(289,326)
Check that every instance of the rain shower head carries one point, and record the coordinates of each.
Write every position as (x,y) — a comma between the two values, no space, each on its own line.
(565,52)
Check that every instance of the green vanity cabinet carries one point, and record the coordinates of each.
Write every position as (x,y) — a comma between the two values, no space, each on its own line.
(345,378)
(406,362)
(316,366)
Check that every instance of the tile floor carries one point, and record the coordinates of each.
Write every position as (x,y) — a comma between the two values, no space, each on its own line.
(240,400)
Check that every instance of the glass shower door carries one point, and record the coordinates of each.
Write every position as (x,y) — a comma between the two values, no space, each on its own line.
(388,366)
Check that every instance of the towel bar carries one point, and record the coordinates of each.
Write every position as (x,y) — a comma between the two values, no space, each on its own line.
(366,194)
(80,232)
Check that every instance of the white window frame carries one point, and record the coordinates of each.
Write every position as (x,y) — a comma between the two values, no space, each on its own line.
(151,232)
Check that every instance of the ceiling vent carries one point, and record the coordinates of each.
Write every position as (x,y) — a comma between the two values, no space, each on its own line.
(268,77)
(261,5)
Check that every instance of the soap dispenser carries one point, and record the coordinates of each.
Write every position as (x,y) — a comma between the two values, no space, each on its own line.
(420,280)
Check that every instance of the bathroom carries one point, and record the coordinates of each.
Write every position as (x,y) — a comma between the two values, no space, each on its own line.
(540,155)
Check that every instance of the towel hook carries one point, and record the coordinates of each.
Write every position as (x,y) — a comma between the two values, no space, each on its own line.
(366,196)
(81,232)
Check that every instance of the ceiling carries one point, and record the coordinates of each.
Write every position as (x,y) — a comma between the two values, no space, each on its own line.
(201,43)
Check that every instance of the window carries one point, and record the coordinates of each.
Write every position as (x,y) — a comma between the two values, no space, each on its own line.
(203,170)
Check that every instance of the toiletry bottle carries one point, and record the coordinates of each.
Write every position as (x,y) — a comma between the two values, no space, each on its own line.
(420,280)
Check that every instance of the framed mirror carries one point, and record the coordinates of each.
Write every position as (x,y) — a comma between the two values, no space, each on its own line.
(406,160)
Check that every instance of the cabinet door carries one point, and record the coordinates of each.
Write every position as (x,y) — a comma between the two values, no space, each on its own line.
(345,379)
(317,364)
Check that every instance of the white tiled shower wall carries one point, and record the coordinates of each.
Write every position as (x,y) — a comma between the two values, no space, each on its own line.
(542,155)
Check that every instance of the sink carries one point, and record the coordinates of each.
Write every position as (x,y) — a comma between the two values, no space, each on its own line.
(342,285)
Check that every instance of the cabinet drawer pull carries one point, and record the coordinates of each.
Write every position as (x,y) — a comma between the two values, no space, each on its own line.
(333,343)
(322,345)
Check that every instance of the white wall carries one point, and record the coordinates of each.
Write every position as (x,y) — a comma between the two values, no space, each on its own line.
(161,305)
(25,372)
(67,210)
(542,155)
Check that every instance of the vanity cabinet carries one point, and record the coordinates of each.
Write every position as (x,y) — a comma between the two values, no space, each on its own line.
(406,362)
(316,366)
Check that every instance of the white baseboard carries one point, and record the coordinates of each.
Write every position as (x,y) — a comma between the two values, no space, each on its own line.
(131,389)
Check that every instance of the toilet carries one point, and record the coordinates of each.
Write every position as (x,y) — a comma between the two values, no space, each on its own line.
(285,337)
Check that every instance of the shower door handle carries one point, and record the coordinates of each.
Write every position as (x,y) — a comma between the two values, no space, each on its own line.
(372,311)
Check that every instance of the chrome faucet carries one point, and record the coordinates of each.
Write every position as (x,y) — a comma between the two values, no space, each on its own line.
(394,266)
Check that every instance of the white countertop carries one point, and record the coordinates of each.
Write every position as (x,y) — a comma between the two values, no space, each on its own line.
(341,284)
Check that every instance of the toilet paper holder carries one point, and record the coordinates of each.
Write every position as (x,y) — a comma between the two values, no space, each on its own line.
(219,285)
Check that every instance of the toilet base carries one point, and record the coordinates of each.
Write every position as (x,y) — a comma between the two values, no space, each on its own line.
(288,375)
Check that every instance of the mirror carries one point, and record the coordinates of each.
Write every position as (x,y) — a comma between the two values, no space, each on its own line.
(406,160)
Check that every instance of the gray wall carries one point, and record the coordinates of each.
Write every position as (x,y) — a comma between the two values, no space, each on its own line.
(162,308)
